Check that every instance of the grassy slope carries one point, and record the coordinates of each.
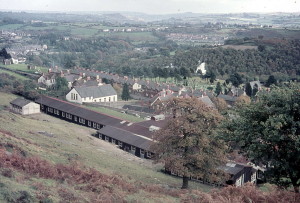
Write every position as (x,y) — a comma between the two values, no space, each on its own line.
(20,77)
(71,142)
(23,67)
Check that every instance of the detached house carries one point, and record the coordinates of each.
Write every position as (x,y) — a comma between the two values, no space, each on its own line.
(48,79)
(104,93)
(24,107)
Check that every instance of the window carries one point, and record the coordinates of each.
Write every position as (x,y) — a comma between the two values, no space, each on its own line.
(50,110)
(56,111)
(98,126)
(94,125)
(149,154)
(113,141)
(81,120)
(63,114)
(69,116)
(142,151)
(75,118)
(106,138)
(133,148)
(120,144)
(89,123)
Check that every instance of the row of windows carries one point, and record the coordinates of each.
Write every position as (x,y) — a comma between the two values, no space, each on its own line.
(132,148)
(76,119)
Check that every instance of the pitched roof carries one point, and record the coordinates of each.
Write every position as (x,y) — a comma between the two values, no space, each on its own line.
(96,91)
(20,102)
(206,100)
(126,137)
(227,97)
(80,111)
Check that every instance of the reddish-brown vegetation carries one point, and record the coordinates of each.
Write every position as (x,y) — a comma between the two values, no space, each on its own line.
(105,188)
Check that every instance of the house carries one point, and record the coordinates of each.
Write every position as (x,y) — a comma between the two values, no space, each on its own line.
(240,174)
(24,107)
(255,84)
(230,100)
(104,93)
(48,79)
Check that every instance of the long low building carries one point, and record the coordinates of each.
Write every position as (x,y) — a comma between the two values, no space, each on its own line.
(128,141)
(114,130)
(77,114)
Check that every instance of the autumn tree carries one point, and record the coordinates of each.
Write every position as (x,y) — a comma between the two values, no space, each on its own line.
(268,132)
(220,104)
(242,101)
(188,145)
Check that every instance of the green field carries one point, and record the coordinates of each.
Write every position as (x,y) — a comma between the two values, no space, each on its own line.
(11,26)
(23,67)
(117,114)
(18,76)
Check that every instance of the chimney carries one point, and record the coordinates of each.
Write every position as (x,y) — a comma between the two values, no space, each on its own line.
(97,77)
(49,70)
(80,74)
(68,71)
(61,73)
(88,78)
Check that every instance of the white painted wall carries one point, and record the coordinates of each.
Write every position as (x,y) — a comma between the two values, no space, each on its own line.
(136,86)
(112,98)
(31,108)
(77,99)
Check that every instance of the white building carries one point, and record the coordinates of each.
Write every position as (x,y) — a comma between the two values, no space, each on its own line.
(201,67)
(48,79)
(104,93)
(24,107)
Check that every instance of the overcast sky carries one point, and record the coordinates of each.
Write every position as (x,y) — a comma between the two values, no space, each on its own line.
(155,6)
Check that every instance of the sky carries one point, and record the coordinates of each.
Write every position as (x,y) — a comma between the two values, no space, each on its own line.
(154,6)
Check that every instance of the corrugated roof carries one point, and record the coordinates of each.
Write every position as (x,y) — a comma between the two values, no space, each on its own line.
(126,137)
(20,102)
(96,91)
(80,111)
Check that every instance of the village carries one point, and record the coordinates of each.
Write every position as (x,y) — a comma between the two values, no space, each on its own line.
(86,87)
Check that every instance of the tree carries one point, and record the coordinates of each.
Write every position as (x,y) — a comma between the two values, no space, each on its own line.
(254,90)
(220,104)
(242,101)
(218,89)
(271,81)
(235,79)
(61,84)
(125,92)
(248,89)
(187,145)
(268,132)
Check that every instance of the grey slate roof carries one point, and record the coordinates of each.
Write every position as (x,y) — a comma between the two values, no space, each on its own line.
(227,97)
(126,137)
(20,102)
(96,91)
(80,111)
